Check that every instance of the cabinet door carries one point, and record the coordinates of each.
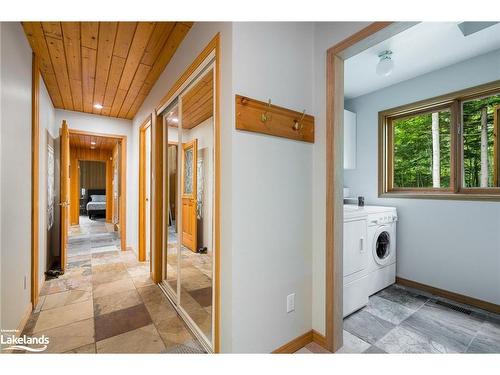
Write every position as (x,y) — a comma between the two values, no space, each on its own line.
(355,249)
(349,140)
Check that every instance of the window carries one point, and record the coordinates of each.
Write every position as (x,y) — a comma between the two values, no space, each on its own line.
(480,127)
(445,147)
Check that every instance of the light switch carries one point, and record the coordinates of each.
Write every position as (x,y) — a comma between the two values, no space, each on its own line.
(290,303)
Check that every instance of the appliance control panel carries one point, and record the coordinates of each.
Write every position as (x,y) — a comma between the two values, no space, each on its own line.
(383,218)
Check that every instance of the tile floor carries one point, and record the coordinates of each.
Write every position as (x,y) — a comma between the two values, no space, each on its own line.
(106,302)
(196,282)
(404,320)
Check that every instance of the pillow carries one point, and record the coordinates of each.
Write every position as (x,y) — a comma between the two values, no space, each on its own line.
(98,198)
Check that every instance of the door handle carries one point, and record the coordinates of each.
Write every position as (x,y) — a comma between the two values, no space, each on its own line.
(63,204)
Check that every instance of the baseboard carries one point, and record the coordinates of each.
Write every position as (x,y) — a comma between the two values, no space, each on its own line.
(301,341)
(488,306)
(319,339)
(296,344)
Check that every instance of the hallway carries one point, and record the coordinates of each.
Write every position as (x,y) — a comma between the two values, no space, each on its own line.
(106,302)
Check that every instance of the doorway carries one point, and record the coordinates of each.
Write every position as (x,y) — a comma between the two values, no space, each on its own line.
(93,191)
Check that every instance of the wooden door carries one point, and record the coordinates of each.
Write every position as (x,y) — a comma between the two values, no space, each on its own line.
(64,192)
(189,196)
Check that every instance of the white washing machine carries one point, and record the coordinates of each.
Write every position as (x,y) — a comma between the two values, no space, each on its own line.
(369,256)
(381,234)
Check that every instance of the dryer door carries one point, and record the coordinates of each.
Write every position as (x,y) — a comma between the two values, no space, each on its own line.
(384,245)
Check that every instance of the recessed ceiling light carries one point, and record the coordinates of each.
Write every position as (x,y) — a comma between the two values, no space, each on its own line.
(175,120)
(98,106)
(92,143)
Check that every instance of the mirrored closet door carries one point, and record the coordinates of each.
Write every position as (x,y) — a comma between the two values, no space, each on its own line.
(190,185)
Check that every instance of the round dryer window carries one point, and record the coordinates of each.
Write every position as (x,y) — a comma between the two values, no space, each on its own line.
(382,246)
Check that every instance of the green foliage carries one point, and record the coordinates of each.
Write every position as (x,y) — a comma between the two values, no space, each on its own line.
(413,146)
(413,150)
(472,139)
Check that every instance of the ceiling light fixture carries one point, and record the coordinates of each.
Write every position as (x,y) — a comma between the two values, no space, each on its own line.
(98,106)
(174,120)
(92,143)
(386,65)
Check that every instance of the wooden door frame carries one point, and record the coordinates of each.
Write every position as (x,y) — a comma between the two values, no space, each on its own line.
(157,207)
(142,190)
(35,176)
(122,139)
(334,179)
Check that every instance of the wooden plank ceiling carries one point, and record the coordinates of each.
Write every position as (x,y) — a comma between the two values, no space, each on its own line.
(197,104)
(92,142)
(113,64)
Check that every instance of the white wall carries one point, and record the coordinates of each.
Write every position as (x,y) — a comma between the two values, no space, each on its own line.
(198,37)
(326,35)
(272,190)
(204,133)
(15,80)
(47,123)
(453,245)
(110,125)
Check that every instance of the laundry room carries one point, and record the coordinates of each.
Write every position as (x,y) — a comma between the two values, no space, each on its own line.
(421,190)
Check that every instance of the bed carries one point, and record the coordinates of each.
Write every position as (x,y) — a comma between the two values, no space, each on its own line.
(96,206)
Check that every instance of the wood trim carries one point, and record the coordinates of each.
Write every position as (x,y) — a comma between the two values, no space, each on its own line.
(358,37)
(157,197)
(334,170)
(295,344)
(301,341)
(35,175)
(280,122)
(142,188)
(488,306)
(211,46)
(319,339)
(456,191)
(496,161)
(123,197)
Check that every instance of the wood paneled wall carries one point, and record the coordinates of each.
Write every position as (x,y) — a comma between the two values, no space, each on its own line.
(77,154)
(92,174)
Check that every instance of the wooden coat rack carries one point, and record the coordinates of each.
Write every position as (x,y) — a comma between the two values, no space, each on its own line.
(260,117)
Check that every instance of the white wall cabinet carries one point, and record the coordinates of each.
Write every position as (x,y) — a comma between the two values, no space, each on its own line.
(349,140)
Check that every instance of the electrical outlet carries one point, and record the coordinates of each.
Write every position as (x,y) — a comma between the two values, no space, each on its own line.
(290,303)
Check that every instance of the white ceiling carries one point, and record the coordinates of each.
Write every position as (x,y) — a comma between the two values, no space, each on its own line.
(423,48)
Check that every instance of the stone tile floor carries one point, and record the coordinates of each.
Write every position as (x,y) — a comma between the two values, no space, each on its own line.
(106,302)
(405,320)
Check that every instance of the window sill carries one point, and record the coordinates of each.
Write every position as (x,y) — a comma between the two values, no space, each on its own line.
(463,196)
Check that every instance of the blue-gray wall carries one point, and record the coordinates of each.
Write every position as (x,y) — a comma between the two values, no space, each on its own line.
(454,245)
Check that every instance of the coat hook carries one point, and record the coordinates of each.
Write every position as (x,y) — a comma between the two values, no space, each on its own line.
(297,125)
(265,117)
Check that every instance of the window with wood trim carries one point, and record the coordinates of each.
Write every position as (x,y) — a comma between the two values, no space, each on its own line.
(444,147)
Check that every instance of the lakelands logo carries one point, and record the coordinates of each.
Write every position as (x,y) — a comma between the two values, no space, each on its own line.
(28,343)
